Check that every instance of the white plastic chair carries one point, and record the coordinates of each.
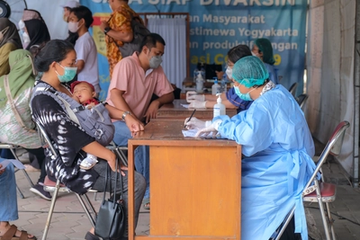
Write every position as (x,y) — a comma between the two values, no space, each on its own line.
(318,190)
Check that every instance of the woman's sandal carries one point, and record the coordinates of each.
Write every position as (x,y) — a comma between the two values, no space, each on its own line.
(90,236)
(10,234)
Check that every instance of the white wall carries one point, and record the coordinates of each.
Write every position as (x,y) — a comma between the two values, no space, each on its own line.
(52,13)
(331,71)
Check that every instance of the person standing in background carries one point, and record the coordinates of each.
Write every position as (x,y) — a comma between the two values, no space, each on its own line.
(67,8)
(34,30)
(9,41)
(262,49)
(80,19)
(118,30)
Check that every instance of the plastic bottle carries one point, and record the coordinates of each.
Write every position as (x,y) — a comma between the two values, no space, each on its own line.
(224,83)
(199,83)
(215,88)
(219,108)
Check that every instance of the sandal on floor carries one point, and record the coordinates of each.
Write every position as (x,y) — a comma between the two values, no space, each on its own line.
(10,234)
(146,204)
(90,236)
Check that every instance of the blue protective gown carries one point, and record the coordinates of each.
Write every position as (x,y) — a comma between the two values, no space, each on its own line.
(277,147)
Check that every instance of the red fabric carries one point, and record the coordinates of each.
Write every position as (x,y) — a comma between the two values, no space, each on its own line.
(91,101)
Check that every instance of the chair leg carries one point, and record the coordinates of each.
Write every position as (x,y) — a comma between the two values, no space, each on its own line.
(87,208)
(322,211)
(331,221)
(51,210)
(21,194)
(120,154)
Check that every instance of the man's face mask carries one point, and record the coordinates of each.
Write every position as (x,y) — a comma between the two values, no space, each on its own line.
(155,61)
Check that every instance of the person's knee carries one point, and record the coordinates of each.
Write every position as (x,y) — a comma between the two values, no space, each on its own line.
(140,183)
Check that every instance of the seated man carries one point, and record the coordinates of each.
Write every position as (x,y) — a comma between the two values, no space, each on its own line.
(134,80)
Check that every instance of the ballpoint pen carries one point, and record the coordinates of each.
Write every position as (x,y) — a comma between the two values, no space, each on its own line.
(192,114)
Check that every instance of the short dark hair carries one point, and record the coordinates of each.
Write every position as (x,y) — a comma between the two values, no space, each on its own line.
(237,52)
(150,41)
(85,13)
(53,51)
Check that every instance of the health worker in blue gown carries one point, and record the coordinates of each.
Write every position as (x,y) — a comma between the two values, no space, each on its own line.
(277,147)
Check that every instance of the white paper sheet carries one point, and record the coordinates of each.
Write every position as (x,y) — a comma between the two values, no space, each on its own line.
(15,162)
(185,105)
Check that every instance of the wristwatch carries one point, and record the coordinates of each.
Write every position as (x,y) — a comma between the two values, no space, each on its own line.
(125,114)
(106,30)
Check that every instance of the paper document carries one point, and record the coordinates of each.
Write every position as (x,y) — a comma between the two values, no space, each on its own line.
(15,162)
(185,105)
(192,133)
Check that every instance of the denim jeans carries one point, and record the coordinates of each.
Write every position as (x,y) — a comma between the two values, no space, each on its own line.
(8,201)
(141,156)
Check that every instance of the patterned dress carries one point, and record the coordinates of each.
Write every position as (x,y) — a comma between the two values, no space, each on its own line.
(120,21)
(68,138)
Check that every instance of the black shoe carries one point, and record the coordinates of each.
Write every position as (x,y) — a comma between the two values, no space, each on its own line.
(90,236)
(39,190)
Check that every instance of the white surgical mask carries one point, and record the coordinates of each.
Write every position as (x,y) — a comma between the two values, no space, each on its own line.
(26,38)
(252,53)
(229,72)
(73,26)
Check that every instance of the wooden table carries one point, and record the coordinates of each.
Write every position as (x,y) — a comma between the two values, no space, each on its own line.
(175,110)
(195,184)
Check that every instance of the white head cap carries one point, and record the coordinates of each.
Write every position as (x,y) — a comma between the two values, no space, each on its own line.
(71,4)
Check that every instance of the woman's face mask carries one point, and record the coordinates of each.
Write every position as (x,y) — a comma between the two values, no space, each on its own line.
(246,96)
(155,61)
(69,74)
(229,72)
(26,38)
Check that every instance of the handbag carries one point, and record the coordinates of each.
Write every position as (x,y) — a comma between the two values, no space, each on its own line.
(111,219)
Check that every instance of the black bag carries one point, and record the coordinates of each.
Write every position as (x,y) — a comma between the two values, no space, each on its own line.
(111,218)
(139,31)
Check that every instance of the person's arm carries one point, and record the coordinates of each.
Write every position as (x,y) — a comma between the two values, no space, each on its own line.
(80,64)
(120,35)
(131,121)
(210,104)
(156,104)
(122,32)
(100,151)
(119,101)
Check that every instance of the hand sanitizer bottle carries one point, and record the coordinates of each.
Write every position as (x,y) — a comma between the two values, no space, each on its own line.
(219,108)
(215,89)
(199,83)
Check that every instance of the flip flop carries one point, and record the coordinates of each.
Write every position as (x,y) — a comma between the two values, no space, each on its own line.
(10,234)
(146,203)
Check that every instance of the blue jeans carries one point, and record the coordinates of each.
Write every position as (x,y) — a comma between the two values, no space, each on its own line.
(142,156)
(8,206)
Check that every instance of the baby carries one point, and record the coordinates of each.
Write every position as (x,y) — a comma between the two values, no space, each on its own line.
(84,93)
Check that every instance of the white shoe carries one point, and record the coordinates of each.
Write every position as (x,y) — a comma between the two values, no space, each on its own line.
(88,162)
